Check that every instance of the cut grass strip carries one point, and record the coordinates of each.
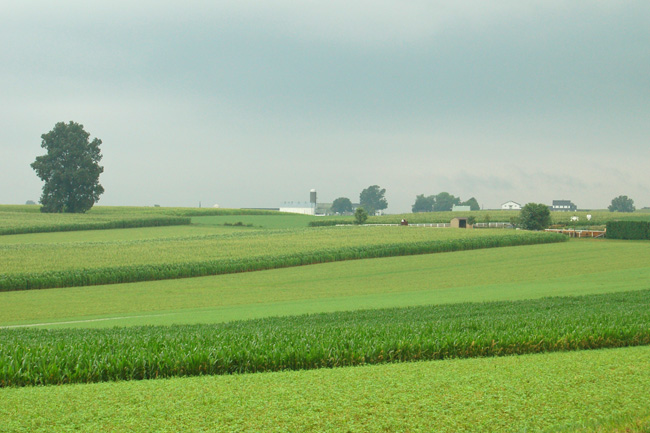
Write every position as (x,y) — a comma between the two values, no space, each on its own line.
(42,357)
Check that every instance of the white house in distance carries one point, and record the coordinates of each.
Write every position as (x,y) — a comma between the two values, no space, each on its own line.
(511,205)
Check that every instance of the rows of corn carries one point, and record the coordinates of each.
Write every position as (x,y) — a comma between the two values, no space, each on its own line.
(41,357)
(39,266)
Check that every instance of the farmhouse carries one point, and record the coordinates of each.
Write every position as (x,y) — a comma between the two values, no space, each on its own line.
(511,205)
(563,206)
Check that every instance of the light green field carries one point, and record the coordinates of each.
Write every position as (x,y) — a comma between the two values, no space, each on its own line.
(279,221)
(115,235)
(576,391)
(526,272)
(29,219)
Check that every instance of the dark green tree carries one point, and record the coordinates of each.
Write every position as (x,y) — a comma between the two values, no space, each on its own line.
(360,215)
(423,204)
(341,205)
(534,216)
(472,203)
(372,199)
(622,204)
(445,202)
(70,169)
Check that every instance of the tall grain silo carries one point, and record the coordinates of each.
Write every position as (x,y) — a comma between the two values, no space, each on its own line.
(312,196)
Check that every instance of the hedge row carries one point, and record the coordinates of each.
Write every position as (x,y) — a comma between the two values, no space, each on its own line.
(628,230)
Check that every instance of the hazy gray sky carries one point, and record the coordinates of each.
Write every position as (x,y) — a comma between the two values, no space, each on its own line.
(250,104)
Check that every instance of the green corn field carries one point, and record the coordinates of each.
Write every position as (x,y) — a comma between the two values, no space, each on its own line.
(42,357)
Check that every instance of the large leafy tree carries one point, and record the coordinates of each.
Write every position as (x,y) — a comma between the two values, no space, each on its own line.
(445,202)
(341,205)
(534,216)
(622,204)
(472,203)
(372,199)
(423,204)
(70,169)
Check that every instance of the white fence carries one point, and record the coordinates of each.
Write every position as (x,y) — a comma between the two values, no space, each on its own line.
(495,225)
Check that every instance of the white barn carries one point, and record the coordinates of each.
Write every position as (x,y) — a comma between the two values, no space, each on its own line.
(301,208)
(511,205)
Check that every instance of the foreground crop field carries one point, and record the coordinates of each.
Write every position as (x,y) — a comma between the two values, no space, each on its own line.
(588,391)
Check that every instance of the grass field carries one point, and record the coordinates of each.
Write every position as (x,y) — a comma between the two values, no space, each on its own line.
(603,390)
(574,391)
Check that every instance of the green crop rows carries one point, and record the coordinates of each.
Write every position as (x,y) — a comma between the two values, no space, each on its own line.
(39,357)
(78,264)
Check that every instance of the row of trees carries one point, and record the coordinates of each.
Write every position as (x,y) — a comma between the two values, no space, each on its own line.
(442,202)
(371,199)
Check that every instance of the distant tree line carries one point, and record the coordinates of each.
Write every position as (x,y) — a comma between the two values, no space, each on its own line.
(442,202)
(371,199)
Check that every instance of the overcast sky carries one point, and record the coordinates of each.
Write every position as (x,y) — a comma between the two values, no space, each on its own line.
(250,104)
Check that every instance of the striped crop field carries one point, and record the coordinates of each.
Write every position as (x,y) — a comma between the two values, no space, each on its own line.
(44,357)
(577,267)
(33,266)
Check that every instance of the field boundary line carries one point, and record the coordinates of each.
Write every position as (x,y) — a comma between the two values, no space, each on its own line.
(31,325)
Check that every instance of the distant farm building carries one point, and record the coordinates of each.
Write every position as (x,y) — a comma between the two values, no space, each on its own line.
(459,223)
(563,206)
(301,208)
(461,208)
(511,205)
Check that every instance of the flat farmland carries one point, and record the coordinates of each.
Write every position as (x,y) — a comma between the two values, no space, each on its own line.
(490,317)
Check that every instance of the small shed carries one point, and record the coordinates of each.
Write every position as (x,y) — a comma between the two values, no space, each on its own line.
(459,223)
